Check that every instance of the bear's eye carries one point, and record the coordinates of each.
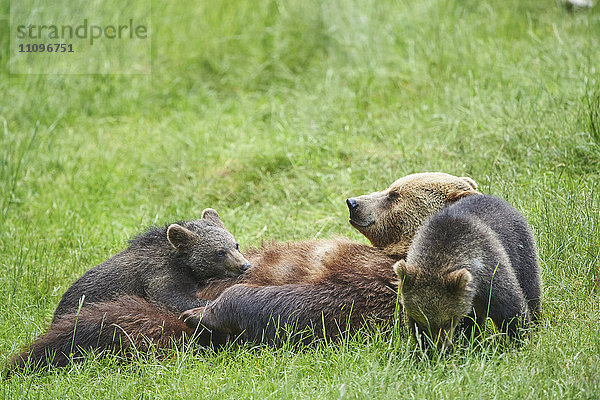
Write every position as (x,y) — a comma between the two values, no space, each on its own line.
(392,195)
(237,246)
(220,253)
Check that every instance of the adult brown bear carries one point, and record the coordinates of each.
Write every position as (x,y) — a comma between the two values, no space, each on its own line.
(326,288)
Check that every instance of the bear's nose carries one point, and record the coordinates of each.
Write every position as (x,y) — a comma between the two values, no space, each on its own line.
(352,204)
(245,266)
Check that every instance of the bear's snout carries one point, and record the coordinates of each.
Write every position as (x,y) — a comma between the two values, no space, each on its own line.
(352,204)
(245,266)
(360,215)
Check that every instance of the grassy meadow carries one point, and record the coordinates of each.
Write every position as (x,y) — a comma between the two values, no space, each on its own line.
(273,113)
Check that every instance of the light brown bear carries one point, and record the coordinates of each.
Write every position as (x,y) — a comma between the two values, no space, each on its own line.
(389,219)
(324,288)
(321,288)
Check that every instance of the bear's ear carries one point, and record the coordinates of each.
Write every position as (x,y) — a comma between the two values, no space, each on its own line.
(457,194)
(469,181)
(459,279)
(405,272)
(179,236)
(211,215)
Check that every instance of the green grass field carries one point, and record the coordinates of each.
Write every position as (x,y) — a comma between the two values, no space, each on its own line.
(273,113)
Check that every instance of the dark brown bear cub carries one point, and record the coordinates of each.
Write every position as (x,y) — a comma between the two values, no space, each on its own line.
(472,260)
(134,298)
(165,265)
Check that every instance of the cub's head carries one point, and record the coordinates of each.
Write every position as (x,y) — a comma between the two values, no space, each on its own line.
(434,302)
(206,247)
(390,218)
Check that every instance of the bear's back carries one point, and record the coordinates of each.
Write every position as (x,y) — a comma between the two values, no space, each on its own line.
(123,273)
(515,235)
(106,281)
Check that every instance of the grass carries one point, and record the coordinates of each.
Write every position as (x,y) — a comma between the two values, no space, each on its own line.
(273,113)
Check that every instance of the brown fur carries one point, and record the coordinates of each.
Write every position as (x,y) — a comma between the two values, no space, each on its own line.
(390,218)
(331,286)
(326,284)
(303,261)
(473,260)
(275,264)
(355,289)
(391,227)
(121,326)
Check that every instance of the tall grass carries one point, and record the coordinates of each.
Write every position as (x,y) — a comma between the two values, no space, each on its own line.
(273,113)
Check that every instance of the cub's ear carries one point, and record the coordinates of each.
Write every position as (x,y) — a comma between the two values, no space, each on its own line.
(457,194)
(211,215)
(459,279)
(179,236)
(404,271)
(469,181)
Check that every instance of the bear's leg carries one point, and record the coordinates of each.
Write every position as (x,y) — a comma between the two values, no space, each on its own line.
(297,312)
(511,315)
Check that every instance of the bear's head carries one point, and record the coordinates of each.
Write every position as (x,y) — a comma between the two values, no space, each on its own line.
(390,218)
(434,302)
(206,247)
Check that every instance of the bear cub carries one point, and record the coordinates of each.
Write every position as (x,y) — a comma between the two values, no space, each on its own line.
(472,260)
(133,299)
(163,265)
